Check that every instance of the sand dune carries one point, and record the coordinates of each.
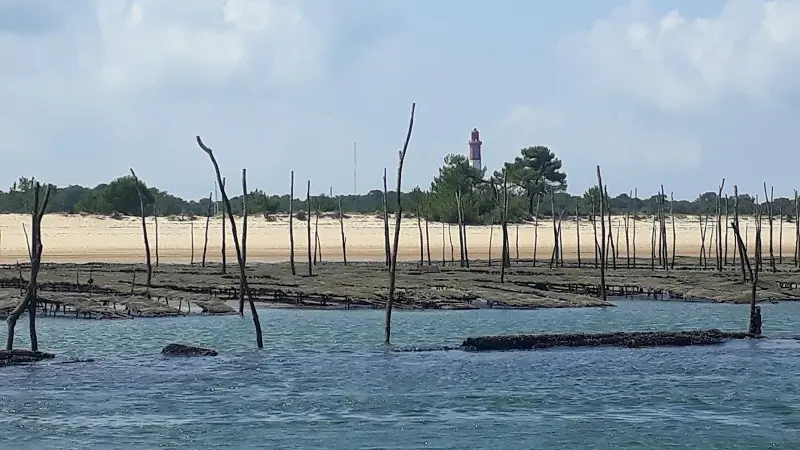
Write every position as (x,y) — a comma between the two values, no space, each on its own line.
(74,238)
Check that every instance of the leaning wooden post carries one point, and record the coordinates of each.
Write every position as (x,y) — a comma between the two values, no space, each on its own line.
(341,229)
(308,228)
(224,250)
(144,232)
(243,251)
(242,270)
(30,294)
(387,245)
(318,240)
(191,243)
(603,241)
(291,226)
(398,217)
(205,235)
(155,225)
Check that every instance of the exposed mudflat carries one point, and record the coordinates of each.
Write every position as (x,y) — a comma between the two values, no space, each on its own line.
(102,290)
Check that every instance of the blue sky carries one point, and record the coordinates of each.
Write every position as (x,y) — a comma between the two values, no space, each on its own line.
(680,93)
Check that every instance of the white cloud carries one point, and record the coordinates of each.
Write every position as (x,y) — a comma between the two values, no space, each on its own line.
(146,43)
(749,51)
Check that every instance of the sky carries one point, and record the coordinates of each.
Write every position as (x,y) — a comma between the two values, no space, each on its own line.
(679,93)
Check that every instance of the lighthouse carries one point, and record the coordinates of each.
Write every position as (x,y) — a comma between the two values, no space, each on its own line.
(475,149)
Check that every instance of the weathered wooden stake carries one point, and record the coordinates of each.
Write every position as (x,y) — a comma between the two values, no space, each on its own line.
(29,300)
(224,233)
(387,245)
(398,217)
(144,232)
(601,189)
(205,235)
(341,229)
(242,268)
(191,243)
(291,222)
(536,229)
(308,229)
(578,229)
(243,251)
(155,225)
(421,241)
(504,226)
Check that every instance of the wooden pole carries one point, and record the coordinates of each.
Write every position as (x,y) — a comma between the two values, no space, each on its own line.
(155,225)
(341,229)
(674,232)
(504,226)
(427,240)
(242,269)
(460,227)
(308,228)
(398,217)
(28,302)
(243,251)
(578,229)
(602,233)
(205,235)
(224,233)
(387,245)
(291,223)
(144,232)
(767,199)
(191,243)
(536,229)
(720,258)
(421,240)
(635,209)
(627,232)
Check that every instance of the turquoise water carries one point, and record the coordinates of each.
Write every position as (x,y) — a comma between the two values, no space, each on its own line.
(326,381)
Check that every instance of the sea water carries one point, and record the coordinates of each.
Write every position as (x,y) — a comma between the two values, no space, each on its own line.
(326,381)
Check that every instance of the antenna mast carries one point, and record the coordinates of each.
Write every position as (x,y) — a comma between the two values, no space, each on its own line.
(355,166)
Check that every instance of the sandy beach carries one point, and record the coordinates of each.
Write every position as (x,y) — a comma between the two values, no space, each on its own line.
(75,238)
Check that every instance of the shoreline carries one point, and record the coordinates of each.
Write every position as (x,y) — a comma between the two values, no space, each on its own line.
(80,239)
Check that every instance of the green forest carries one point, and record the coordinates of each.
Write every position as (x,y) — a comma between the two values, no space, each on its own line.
(535,178)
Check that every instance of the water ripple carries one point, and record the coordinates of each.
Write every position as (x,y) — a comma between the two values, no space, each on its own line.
(326,381)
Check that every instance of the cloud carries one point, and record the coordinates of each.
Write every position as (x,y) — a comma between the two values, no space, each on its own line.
(747,52)
(147,43)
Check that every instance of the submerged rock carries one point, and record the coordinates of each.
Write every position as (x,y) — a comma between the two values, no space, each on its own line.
(18,357)
(187,350)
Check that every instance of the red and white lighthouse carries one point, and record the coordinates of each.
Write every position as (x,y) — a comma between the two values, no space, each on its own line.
(475,149)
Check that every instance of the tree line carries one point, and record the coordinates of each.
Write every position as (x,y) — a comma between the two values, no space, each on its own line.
(536,182)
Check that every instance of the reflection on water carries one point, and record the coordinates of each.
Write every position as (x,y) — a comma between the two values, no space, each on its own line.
(325,381)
